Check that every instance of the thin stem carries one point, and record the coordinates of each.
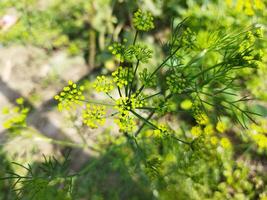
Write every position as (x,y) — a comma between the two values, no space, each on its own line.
(131,85)
(135,37)
(95,102)
(110,96)
(142,126)
(158,68)
(119,90)
(151,96)
(155,127)
(146,108)
(145,120)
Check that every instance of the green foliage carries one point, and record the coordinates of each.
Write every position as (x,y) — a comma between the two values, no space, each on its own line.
(48,180)
(16,117)
(181,113)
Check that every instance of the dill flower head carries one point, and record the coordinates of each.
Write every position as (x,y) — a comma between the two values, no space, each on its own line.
(146,79)
(103,84)
(139,52)
(125,122)
(196,131)
(200,117)
(143,21)
(122,76)
(125,104)
(162,129)
(69,96)
(94,115)
(16,116)
(118,50)
(225,143)
(221,127)
(176,83)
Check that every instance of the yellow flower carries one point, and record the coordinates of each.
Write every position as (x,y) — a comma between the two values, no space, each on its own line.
(94,115)
(186,104)
(69,96)
(160,131)
(208,130)
(214,140)
(20,101)
(221,127)
(225,143)
(196,131)
(126,123)
(103,84)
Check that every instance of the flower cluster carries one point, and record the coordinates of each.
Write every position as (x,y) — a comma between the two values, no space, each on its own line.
(176,83)
(200,117)
(143,21)
(125,122)
(125,104)
(162,129)
(146,79)
(122,76)
(247,6)
(17,116)
(71,95)
(162,105)
(258,134)
(118,50)
(138,52)
(103,84)
(94,115)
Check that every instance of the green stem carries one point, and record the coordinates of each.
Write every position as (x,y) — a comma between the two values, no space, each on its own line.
(155,127)
(158,68)
(135,37)
(151,96)
(95,102)
(145,120)
(110,96)
(131,85)
(142,126)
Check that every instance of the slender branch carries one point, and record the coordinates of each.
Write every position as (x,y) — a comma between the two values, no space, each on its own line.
(110,96)
(135,37)
(151,96)
(131,85)
(142,126)
(158,68)
(155,127)
(95,102)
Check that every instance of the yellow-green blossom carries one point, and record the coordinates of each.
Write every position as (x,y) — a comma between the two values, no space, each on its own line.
(125,104)
(214,140)
(70,96)
(225,143)
(176,82)
(16,116)
(208,130)
(118,50)
(186,104)
(162,129)
(143,21)
(196,131)
(221,127)
(126,123)
(94,115)
(138,52)
(103,84)
(202,119)
(122,76)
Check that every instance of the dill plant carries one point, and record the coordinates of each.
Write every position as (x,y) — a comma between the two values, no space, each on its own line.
(207,86)
(145,97)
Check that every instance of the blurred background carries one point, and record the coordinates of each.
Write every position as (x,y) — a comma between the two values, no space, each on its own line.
(45,43)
